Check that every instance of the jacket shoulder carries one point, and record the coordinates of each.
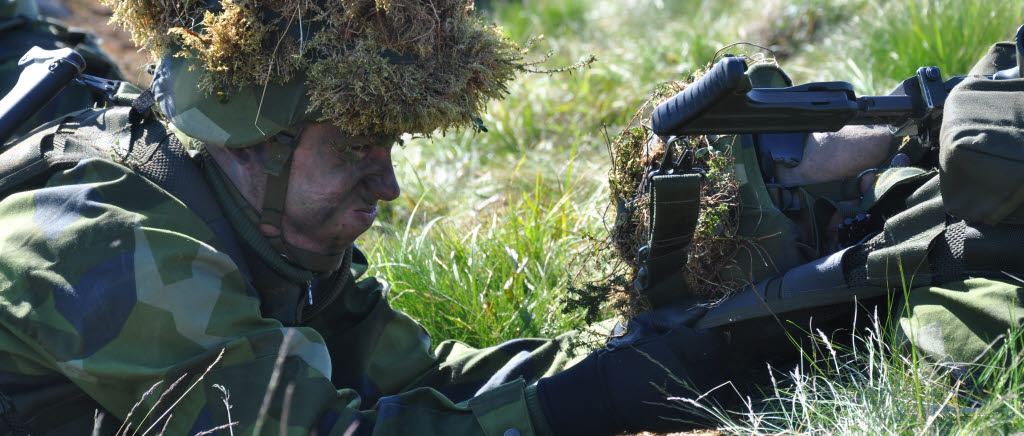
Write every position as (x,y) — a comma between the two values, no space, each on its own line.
(97,239)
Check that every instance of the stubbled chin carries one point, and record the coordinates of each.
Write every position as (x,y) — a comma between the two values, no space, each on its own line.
(336,245)
(327,243)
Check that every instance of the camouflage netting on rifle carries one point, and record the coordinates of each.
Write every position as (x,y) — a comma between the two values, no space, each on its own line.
(380,66)
(635,152)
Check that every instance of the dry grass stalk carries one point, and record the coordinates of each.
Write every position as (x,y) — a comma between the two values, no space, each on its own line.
(226,399)
(275,377)
(126,425)
(199,379)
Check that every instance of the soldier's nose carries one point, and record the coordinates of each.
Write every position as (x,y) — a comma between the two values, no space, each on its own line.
(381,180)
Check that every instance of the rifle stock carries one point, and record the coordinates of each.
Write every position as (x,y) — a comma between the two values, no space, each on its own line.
(45,73)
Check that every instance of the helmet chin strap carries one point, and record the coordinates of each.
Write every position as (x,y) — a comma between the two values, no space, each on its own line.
(278,167)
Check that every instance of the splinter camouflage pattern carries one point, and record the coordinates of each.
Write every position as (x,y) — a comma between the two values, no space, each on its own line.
(108,286)
(961,321)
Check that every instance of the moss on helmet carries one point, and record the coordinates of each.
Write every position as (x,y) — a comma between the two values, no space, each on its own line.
(232,48)
(371,66)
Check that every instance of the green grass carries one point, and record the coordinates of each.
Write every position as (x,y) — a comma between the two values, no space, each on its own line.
(864,385)
(482,196)
(498,273)
(885,42)
(491,227)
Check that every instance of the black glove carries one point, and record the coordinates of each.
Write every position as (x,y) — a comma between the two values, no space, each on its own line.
(610,391)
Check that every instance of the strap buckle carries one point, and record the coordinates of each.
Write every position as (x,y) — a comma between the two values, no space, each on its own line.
(681,165)
(103,89)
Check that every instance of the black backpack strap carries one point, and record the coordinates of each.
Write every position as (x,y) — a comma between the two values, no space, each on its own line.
(142,104)
(160,157)
(29,161)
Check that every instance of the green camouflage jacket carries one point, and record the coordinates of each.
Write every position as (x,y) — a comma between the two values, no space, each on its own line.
(115,296)
(961,322)
(111,290)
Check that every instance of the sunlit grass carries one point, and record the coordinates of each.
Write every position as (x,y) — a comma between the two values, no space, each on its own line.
(883,43)
(867,384)
(497,271)
(471,200)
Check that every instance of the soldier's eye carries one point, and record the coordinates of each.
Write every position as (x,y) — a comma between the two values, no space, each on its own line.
(349,145)
(383,141)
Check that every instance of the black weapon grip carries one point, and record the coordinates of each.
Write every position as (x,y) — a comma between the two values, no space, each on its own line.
(726,77)
(45,73)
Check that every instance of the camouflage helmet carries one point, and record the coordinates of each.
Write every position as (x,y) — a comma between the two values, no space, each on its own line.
(233,73)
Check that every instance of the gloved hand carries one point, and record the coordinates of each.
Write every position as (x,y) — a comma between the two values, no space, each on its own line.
(610,391)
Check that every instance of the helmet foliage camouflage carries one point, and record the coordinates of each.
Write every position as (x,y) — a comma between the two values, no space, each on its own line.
(235,72)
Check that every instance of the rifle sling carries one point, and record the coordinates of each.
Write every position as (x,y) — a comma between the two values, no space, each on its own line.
(675,207)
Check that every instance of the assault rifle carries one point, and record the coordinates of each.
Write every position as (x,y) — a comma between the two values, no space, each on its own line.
(723,102)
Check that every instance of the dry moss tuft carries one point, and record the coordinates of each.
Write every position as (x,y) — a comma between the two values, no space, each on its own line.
(716,242)
(371,66)
(460,65)
(149,21)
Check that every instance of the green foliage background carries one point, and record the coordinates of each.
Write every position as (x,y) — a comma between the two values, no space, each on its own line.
(491,227)
(483,240)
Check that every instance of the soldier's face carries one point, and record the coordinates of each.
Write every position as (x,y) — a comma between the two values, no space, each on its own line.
(335,185)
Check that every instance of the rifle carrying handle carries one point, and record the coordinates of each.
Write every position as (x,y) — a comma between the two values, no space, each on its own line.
(44,74)
(726,77)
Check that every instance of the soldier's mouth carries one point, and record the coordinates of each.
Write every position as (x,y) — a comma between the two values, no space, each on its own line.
(367,214)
